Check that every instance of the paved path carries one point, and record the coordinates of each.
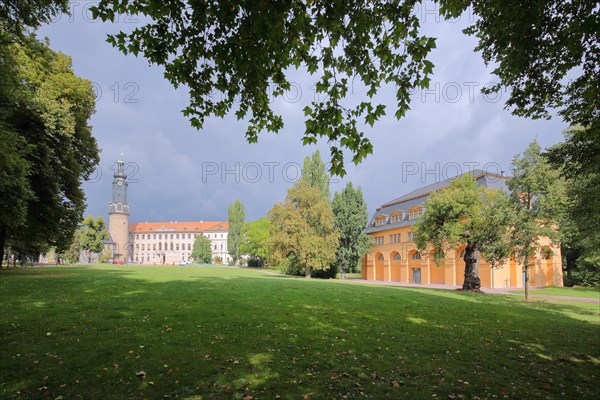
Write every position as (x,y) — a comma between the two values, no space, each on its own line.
(505,291)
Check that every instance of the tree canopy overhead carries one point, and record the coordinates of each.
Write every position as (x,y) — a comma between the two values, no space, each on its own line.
(242,49)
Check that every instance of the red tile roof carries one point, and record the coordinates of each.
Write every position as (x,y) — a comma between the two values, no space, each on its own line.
(205,226)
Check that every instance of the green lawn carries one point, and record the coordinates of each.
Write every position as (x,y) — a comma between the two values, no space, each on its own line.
(220,333)
(591,293)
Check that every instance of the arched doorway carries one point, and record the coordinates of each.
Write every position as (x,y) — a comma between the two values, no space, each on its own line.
(438,267)
(380,266)
(396,266)
(414,267)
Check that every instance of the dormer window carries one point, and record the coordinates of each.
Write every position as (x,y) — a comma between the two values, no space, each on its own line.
(396,217)
(415,213)
(380,220)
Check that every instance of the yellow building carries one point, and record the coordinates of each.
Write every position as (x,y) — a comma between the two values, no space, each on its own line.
(394,257)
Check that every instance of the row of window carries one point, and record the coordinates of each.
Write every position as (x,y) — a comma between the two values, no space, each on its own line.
(399,216)
(170,235)
(417,256)
(396,256)
(171,247)
(396,238)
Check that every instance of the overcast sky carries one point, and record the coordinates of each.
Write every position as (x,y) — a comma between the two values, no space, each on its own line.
(181,174)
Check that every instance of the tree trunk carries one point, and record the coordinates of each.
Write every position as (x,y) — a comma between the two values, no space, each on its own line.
(343,271)
(472,281)
(526,262)
(2,242)
(307,272)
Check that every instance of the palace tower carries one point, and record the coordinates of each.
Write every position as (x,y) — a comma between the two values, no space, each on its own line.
(118,213)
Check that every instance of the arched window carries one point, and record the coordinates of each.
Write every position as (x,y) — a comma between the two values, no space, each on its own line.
(416,256)
(380,258)
(397,256)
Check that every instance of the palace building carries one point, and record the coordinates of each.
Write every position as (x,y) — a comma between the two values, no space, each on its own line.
(394,256)
(157,242)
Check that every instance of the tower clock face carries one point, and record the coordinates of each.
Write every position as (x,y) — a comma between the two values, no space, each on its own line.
(120,183)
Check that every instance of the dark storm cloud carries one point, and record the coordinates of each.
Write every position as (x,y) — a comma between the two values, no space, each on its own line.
(181,174)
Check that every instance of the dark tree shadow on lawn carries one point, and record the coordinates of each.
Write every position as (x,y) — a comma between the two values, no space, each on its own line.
(92,334)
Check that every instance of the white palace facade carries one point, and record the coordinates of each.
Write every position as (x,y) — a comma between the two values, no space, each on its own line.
(168,243)
(172,242)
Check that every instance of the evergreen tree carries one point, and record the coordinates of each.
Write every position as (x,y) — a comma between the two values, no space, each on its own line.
(236,217)
(315,174)
(351,217)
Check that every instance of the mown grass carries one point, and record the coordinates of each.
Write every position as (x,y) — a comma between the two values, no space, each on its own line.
(590,293)
(219,333)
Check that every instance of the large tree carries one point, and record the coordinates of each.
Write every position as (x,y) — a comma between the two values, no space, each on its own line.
(350,216)
(241,49)
(302,229)
(202,250)
(255,235)
(237,218)
(47,145)
(464,214)
(538,199)
(578,161)
(93,235)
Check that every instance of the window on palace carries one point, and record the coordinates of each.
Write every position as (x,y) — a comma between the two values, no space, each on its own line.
(380,221)
(414,214)
(397,217)
(159,246)
(137,246)
(397,256)
(189,246)
(143,247)
(159,236)
(153,246)
(416,256)
(177,247)
(380,257)
(410,237)
(189,235)
(391,238)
